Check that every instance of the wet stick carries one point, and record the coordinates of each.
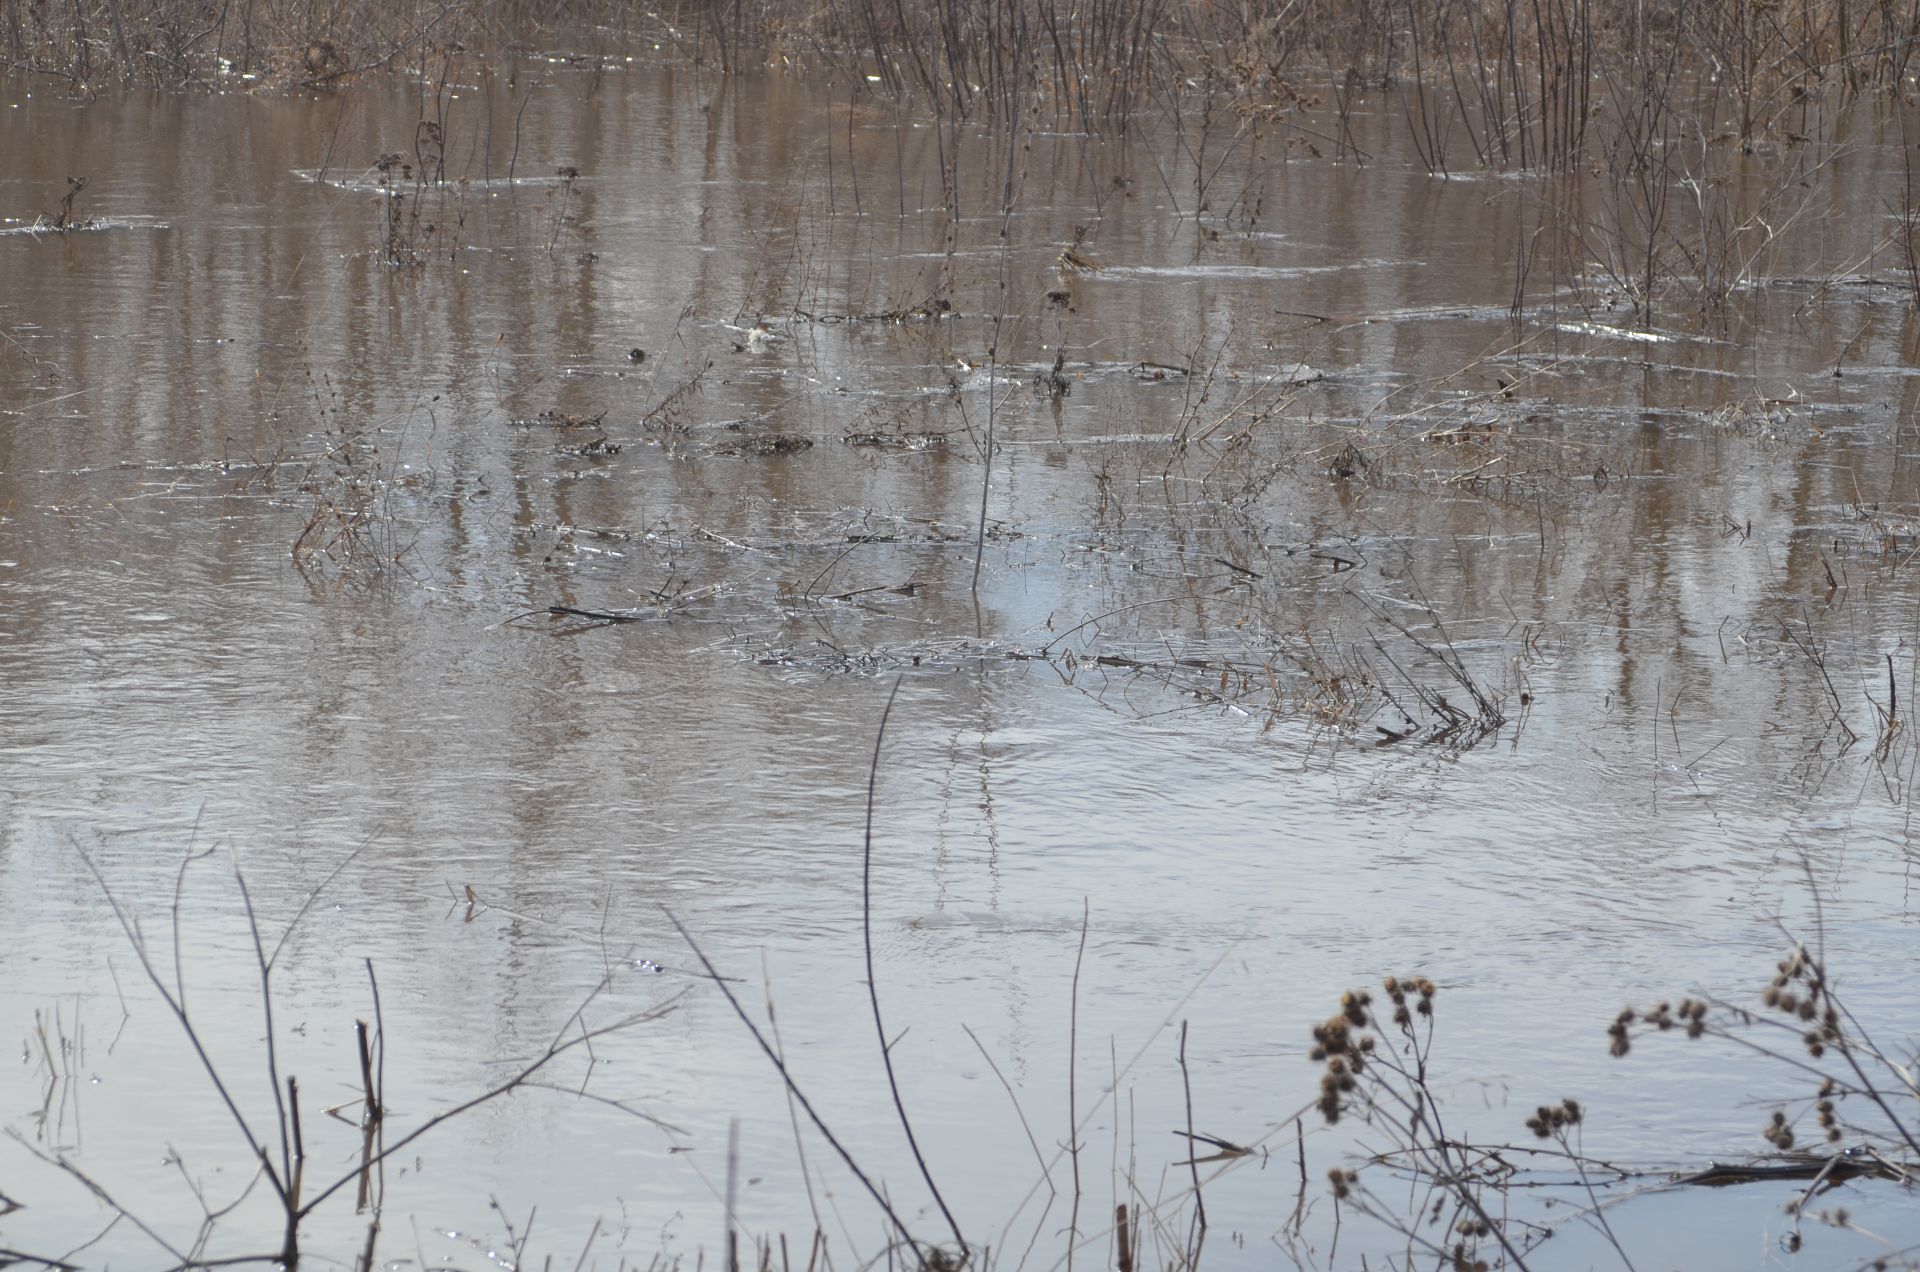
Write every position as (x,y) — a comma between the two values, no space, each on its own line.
(1198,1235)
(370,1107)
(376,1076)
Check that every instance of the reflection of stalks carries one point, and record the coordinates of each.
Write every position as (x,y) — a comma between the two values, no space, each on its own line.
(568,175)
(1909,214)
(1889,717)
(1811,648)
(1007,195)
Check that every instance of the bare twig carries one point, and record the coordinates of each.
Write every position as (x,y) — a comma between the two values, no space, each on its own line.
(873,988)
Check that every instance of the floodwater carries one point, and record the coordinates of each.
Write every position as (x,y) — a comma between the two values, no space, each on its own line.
(1332,622)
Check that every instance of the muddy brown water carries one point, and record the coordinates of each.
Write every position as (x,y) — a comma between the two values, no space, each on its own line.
(292,472)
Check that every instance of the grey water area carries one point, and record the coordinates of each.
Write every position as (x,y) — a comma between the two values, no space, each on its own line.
(1332,622)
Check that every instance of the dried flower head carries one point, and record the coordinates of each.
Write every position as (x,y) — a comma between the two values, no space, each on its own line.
(1618,1041)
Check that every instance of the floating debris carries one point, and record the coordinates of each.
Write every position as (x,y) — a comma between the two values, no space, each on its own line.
(768,445)
(896,441)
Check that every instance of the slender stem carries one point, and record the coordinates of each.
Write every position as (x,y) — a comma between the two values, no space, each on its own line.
(780,1066)
(1199,1235)
(873,986)
(1073,1083)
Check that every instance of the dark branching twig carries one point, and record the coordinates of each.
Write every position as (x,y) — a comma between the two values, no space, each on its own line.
(175,998)
(283,1177)
(560,1045)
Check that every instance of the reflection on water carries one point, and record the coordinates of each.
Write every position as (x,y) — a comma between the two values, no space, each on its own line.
(556,532)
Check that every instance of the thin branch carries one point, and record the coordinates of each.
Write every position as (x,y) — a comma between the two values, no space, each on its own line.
(792,1086)
(873,987)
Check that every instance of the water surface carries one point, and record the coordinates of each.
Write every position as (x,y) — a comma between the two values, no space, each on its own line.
(297,455)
